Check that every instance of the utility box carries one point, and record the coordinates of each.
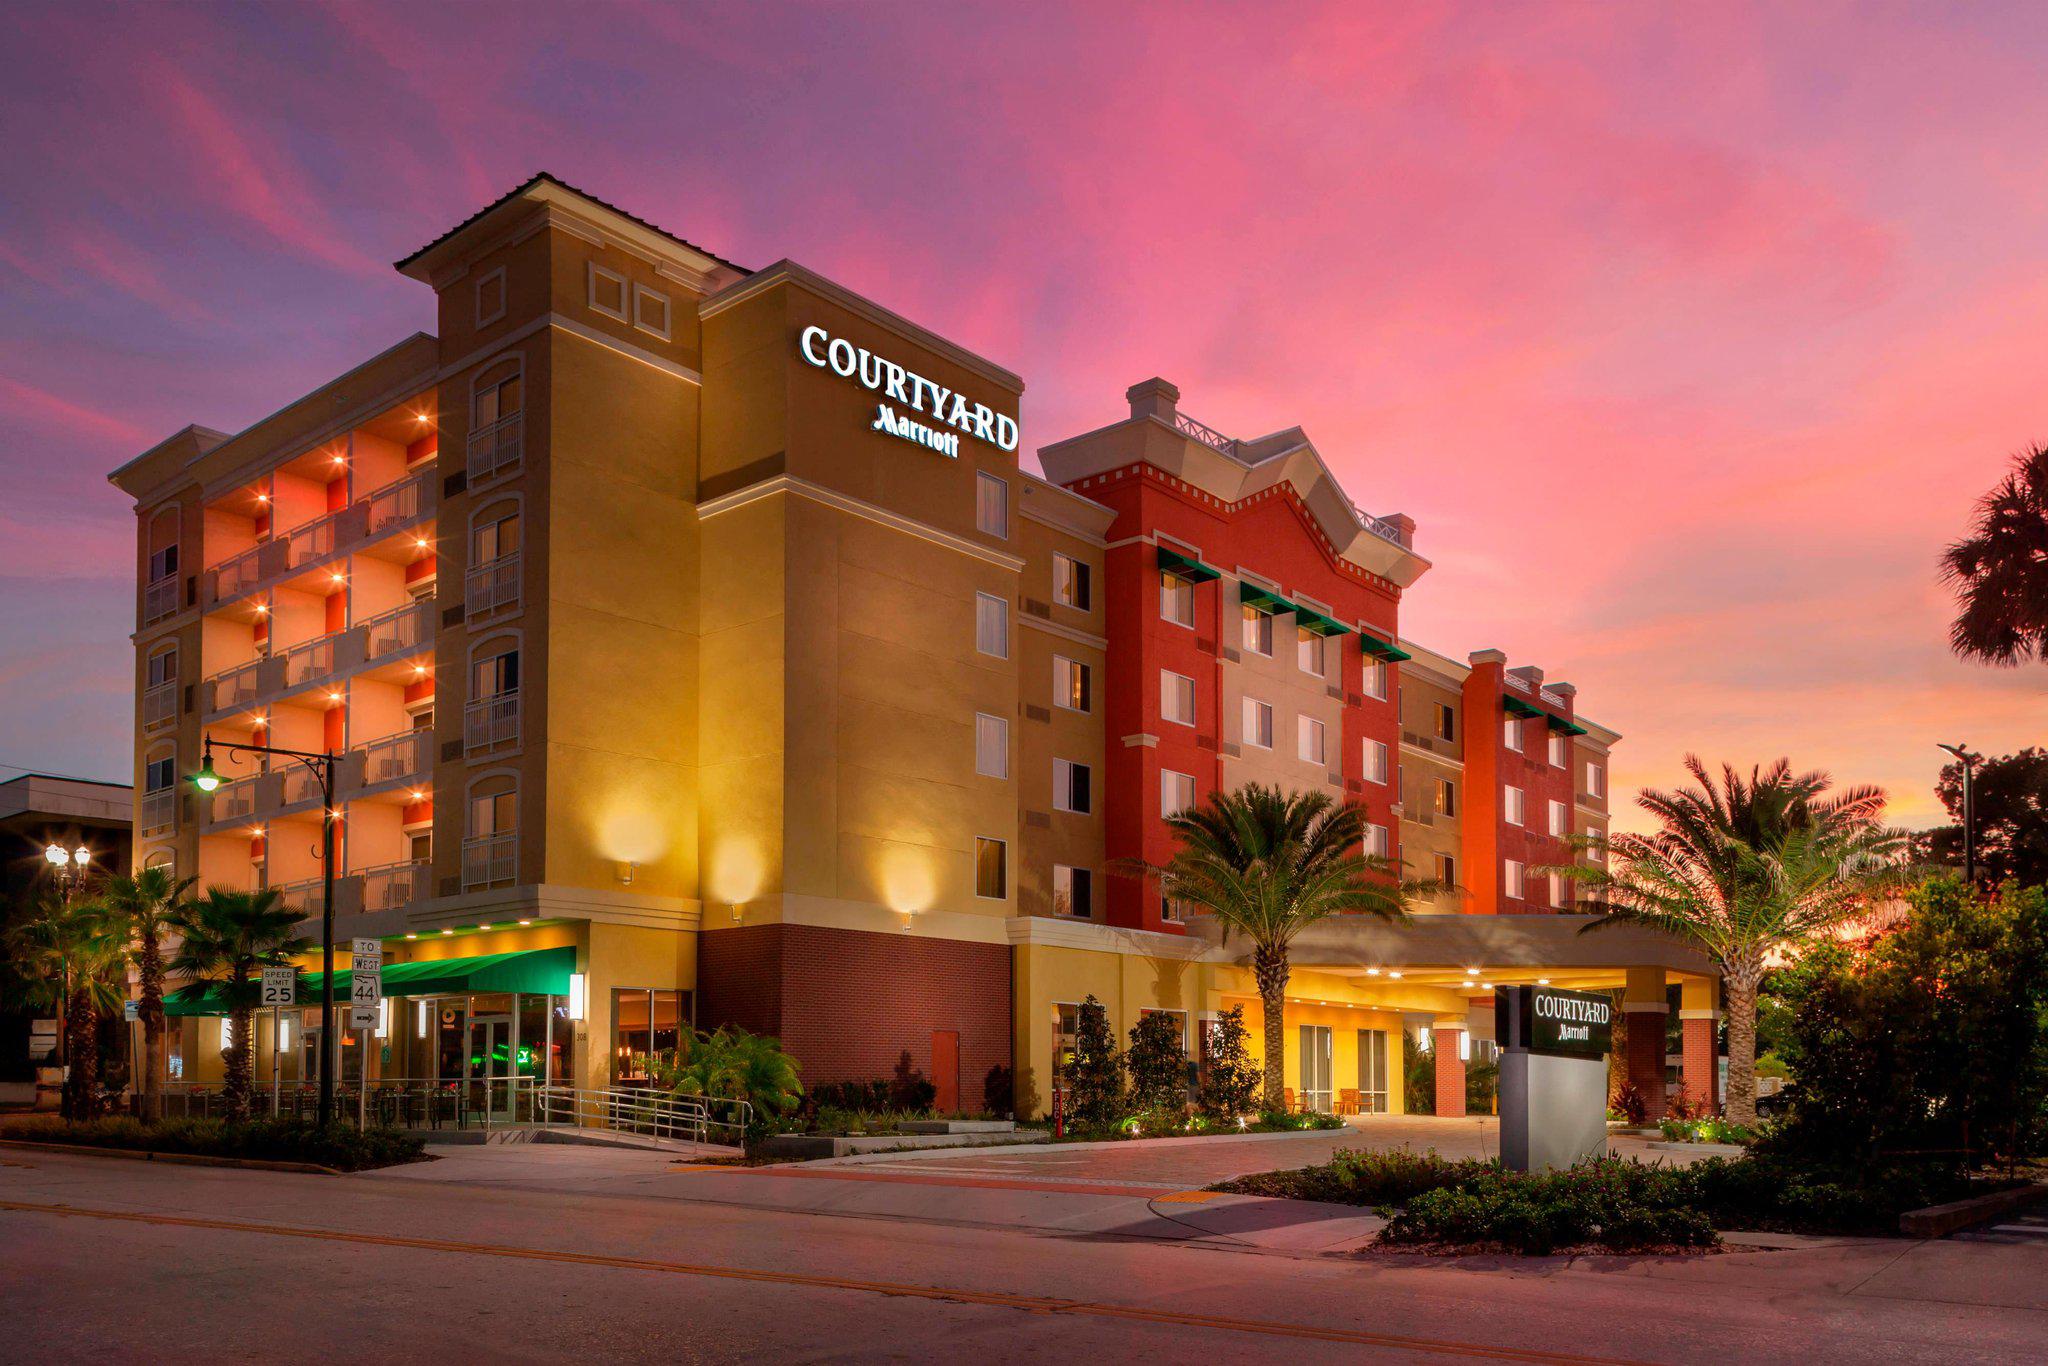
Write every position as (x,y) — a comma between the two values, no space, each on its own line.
(1553,1076)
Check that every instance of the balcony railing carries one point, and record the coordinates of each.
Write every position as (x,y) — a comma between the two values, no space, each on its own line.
(490,722)
(158,810)
(497,448)
(1204,433)
(307,895)
(392,758)
(375,514)
(396,757)
(160,704)
(159,599)
(1379,526)
(488,860)
(390,885)
(398,631)
(238,799)
(492,587)
(401,630)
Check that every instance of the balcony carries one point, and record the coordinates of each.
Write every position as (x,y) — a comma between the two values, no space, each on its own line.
(388,886)
(157,811)
(406,756)
(396,758)
(400,631)
(492,587)
(159,599)
(307,896)
(240,799)
(490,723)
(496,449)
(160,705)
(489,860)
(379,513)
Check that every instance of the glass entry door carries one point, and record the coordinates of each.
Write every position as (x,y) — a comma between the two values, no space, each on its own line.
(1316,1050)
(1372,1071)
(490,1065)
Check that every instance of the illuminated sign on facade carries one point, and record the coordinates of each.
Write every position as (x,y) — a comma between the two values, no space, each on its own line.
(906,393)
(1568,1024)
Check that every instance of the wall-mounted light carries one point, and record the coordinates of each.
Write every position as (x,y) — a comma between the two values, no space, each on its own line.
(1423,1037)
(626,871)
(420,1019)
(579,995)
(739,913)
(284,1033)
(1464,1045)
(384,1017)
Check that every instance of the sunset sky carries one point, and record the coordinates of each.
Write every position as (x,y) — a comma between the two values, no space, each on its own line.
(1687,335)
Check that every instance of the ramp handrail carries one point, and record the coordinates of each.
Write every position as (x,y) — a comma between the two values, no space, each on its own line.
(656,1113)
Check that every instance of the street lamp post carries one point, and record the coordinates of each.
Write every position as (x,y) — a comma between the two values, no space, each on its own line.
(69,866)
(1969,762)
(321,765)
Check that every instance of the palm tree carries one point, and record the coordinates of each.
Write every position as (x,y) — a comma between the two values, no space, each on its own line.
(229,936)
(731,1063)
(66,955)
(1748,870)
(1269,863)
(2000,570)
(150,903)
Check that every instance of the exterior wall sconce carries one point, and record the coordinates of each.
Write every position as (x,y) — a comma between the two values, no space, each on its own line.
(626,871)
(739,912)
(579,995)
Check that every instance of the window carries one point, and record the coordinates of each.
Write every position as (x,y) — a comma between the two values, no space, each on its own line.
(1559,820)
(1176,792)
(1515,888)
(492,582)
(991,625)
(607,292)
(491,718)
(160,774)
(1309,650)
(496,813)
(497,395)
(991,869)
(1175,912)
(1258,630)
(1176,599)
(1446,722)
(1069,684)
(1066,1034)
(991,505)
(163,667)
(490,297)
(1176,697)
(650,311)
(163,564)
(1514,806)
(1375,683)
(1596,780)
(495,675)
(1447,870)
(991,745)
(1560,756)
(1511,733)
(1375,761)
(1069,582)
(1258,723)
(491,847)
(1308,737)
(1560,892)
(1072,891)
(1445,798)
(1376,840)
(643,1022)
(495,538)
(1070,787)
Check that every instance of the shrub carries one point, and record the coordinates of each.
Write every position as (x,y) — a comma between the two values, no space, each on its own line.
(1616,1205)
(999,1092)
(271,1140)
(1157,1063)
(1710,1129)
(1096,1077)
(1356,1177)
(1418,1075)
(1627,1103)
(1230,1085)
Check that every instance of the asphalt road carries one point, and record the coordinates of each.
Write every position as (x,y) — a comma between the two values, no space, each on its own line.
(552,1253)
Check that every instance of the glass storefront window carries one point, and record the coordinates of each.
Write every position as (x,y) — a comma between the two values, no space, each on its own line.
(643,1022)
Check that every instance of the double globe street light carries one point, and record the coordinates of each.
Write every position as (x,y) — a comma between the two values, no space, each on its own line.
(69,865)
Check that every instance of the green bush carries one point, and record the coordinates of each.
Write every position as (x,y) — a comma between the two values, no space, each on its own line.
(1623,1207)
(1230,1084)
(1095,1079)
(1157,1062)
(271,1140)
(1356,1177)
(1707,1130)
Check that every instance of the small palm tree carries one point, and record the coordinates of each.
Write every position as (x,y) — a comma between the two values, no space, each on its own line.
(1748,870)
(1268,863)
(150,904)
(229,936)
(2000,570)
(67,956)
(736,1065)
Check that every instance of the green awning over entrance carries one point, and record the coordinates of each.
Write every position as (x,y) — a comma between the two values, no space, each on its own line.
(535,971)
(1382,649)
(1264,599)
(1193,570)
(1310,620)
(1517,707)
(1568,727)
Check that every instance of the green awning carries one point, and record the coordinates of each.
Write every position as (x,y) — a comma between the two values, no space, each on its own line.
(1308,619)
(1517,707)
(1568,727)
(527,971)
(1381,649)
(1263,599)
(1193,570)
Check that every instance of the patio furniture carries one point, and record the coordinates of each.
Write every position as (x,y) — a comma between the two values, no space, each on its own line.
(1347,1102)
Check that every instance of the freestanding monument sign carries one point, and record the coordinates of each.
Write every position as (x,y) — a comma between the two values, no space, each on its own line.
(1553,1075)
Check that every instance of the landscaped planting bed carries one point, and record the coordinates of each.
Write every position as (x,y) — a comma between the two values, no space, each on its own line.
(268,1140)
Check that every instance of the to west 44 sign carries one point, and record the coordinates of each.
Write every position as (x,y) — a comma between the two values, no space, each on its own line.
(366,982)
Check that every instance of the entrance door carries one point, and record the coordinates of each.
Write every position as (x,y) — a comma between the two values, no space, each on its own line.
(490,1065)
(1316,1052)
(1372,1071)
(946,1070)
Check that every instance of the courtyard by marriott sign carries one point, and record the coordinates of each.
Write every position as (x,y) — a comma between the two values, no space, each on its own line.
(1563,1024)
(904,393)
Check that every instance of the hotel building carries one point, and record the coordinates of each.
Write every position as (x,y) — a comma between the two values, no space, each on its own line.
(701,653)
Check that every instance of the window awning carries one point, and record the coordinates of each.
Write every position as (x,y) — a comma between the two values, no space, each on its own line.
(1517,707)
(1308,619)
(1568,727)
(1264,599)
(1193,570)
(1382,649)
(527,971)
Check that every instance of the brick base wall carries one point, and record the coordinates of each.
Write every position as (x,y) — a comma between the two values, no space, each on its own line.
(1702,1072)
(1450,1075)
(1646,1060)
(850,1005)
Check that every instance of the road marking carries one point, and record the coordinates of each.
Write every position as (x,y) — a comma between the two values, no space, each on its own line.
(907,1178)
(1038,1304)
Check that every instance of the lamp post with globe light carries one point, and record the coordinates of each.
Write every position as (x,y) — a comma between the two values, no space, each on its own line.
(1969,761)
(68,866)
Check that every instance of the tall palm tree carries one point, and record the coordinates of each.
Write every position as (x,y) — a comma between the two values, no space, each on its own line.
(67,955)
(1747,870)
(150,904)
(229,936)
(2000,570)
(1269,863)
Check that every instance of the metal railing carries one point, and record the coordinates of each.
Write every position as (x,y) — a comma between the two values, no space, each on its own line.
(404,627)
(375,514)
(496,448)
(390,885)
(406,1102)
(490,722)
(1204,433)
(694,1119)
(394,757)
(490,859)
(158,810)
(236,799)
(160,703)
(396,631)
(159,599)
(1379,526)
(491,587)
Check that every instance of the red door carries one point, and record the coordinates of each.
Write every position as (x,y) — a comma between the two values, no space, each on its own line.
(946,1070)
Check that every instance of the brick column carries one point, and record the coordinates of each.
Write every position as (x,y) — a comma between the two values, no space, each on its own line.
(1646,1009)
(1450,1069)
(1700,1021)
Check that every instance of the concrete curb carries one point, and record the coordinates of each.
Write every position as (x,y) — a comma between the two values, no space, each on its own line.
(1048,1145)
(1707,1149)
(1938,1221)
(255,1164)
